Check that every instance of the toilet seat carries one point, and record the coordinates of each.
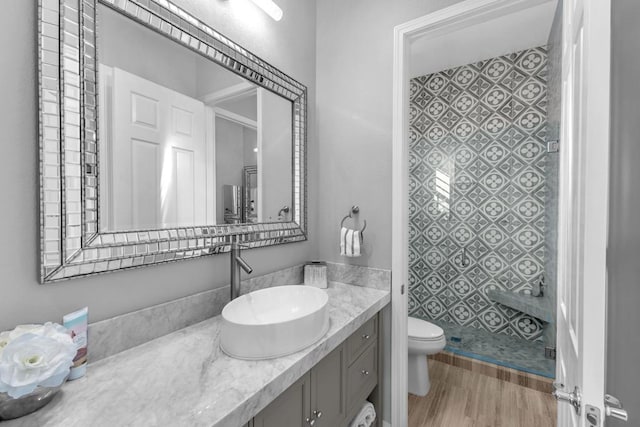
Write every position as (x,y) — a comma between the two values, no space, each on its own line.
(421,330)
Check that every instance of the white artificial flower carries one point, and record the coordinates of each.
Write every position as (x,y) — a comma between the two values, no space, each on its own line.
(4,340)
(55,331)
(41,355)
(7,336)
(23,329)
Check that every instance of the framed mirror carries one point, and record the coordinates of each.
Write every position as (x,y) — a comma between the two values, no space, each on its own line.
(160,140)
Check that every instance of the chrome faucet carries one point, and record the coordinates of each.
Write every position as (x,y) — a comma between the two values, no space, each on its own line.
(236,264)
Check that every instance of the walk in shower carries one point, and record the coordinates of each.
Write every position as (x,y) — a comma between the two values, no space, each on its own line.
(482,208)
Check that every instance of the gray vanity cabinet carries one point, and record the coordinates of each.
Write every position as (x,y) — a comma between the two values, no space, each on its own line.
(317,399)
(333,391)
(328,390)
(291,408)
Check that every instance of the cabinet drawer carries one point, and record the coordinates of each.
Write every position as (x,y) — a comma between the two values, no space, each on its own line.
(362,375)
(361,338)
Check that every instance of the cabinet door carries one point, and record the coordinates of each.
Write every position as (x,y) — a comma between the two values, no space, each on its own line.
(290,409)
(328,393)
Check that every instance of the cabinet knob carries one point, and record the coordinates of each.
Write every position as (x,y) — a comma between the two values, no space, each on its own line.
(310,421)
(365,372)
(366,336)
(317,414)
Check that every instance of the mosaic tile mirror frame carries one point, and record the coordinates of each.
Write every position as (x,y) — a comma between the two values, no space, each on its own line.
(72,244)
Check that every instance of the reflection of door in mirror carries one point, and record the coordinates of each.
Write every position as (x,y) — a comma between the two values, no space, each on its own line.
(157,154)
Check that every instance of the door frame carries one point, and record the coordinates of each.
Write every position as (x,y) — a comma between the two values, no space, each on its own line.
(213,112)
(465,13)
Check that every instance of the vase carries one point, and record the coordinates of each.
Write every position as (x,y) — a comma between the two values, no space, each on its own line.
(11,408)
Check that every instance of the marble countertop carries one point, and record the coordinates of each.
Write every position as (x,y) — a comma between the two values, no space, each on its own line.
(183,379)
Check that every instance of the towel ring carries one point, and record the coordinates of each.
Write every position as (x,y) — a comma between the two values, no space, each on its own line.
(354,210)
(284,209)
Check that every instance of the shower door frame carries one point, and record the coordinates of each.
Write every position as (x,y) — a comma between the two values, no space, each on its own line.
(463,14)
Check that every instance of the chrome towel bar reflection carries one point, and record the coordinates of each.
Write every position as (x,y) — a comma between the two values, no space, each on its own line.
(284,209)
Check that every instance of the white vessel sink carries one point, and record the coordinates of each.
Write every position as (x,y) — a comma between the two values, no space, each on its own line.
(274,322)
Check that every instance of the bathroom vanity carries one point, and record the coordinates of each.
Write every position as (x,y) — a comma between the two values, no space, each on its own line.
(184,379)
(334,390)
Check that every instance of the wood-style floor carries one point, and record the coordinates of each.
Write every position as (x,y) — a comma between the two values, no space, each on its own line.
(461,398)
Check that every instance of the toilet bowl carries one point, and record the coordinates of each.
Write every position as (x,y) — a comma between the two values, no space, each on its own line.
(424,338)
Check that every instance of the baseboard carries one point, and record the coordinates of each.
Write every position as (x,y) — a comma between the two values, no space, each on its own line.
(525,379)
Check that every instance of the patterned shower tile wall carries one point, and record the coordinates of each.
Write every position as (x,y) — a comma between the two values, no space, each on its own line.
(477,190)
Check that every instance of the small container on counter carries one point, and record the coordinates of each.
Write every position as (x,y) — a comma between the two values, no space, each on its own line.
(315,274)
(76,323)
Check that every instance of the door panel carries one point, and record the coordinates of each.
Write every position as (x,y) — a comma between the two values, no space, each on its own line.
(143,208)
(582,230)
(185,186)
(144,111)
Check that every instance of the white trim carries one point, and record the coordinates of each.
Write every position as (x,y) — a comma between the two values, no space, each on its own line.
(235,92)
(399,229)
(235,118)
(445,20)
(210,149)
(597,135)
(461,15)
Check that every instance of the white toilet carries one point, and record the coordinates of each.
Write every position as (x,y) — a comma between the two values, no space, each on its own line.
(424,338)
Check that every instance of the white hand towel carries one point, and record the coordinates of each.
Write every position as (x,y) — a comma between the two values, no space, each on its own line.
(356,244)
(343,241)
(365,417)
(349,242)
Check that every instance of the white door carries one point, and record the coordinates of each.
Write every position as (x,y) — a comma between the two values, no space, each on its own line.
(582,233)
(158,165)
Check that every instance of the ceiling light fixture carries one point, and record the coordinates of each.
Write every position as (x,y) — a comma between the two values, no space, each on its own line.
(270,8)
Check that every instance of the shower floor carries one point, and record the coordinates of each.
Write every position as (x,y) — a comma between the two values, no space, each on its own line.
(499,349)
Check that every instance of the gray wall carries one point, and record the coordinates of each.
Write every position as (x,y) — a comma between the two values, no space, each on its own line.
(250,141)
(623,263)
(288,44)
(142,57)
(229,160)
(274,171)
(355,83)
(354,124)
